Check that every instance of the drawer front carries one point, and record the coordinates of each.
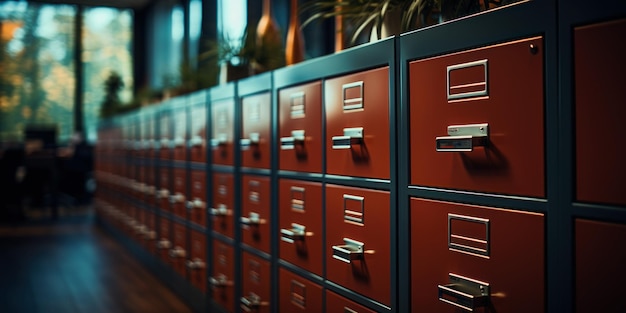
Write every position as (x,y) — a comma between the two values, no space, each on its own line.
(179,143)
(178,253)
(151,186)
(358,240)
(150,235)
(256,122)
(339,304)
(301,142)
(178,199)
(357,124)
(477,120)
(256,284)
(465,247)
(255,219)
(301,219)
(298,294)
(197,130)
(223,274)
(165,136)
(599,266)
(196,262)
(164,242)
(223,204)
(223,127)
(197,203)
(599,62)
(165,189)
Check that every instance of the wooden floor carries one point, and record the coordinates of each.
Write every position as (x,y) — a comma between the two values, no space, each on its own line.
(70,265)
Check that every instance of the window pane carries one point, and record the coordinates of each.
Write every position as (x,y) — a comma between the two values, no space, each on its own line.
(37,78)
(107,44)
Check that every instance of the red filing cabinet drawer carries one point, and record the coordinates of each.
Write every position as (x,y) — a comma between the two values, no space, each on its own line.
(256,284)
(179,141)
(164,242)
(178,253)
(196,262)
(357,124)
(150,234)
(599,266)
(197,140)
(177,199)
(599,83)
(301,219)
(164,192)
(255,219)
(337,303)
(197,199)
(223,127)
(223,202)
(298,294)
(165,136)
(223,274)
(151,190)
(301,141)
(477,119)
(255,131)
(495,255)
(358,240)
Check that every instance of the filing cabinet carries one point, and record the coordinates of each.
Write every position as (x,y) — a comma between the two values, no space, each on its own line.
(179,141)
(196,262)
(177,198)
(599,83)
(221,280)
(197,140)
(197,203)
(223,204)
(301,219)
(476,258)
(298,294)
(477,119)
(357,124)
(358,240)
(301,141)
(256,284)
(165,135)
(599,264)
(223,127)
(255,131)
(337,303)
(164,242)
(178,253)
(255,218)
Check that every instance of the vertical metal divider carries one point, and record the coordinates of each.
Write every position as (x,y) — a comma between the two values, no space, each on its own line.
(237,198)
(274,210)
(156,169)
(208,195)
(323,185)
(187,107)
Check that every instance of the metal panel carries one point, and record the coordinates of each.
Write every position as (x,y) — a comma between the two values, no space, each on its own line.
(256,284)
(358,254)
(457,246)
(256,139)
(502,98)
(300,114)
(301,221)
(298,294)
(351,107)
(599,82)
(221,279)
(255,218)
(223,204)
(223,127)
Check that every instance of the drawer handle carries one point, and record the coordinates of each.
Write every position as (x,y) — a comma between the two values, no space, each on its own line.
(196,204)
(254,139)
(252,302)
(177,198)
(220,281)
(297,232)
(195,264)
(165,143)
(463,138)
(464,293)
(219,141)
(150,190)
(351,251)
(177,252)
(179,142)
(220,210)
(289,143)
(252,219)
(149,235)
(163,194)
(351,136)
(163,244)
(140,229)
(196,141)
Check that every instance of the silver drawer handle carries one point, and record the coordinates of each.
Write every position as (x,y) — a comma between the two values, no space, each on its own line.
(163,194)
(254,139)
(351,251)
(195,264)
(150,190)
(351,136)
(140,229)
(177,252)
(177,198)
(165,143)
(219,141)
(220,210)
(179,142)
(220,281)
(252,302)
(463,138)
(163,244)
(252,219)
(196,204)
(289,143)
(297,232)
(464,293)
(196,141)
(149,235)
